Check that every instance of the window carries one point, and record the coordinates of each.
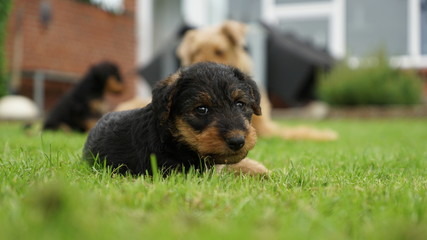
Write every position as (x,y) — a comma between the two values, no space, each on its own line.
(115,6)
(372,25)
(317,21)
(313,30)
(300,1)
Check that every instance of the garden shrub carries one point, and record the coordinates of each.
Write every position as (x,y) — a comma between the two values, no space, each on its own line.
(4,10)
(374,82)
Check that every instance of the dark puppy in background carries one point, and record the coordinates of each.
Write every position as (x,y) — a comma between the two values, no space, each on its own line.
(81,107)
(199,117)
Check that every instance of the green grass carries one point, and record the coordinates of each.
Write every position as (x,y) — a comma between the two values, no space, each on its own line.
(370,184)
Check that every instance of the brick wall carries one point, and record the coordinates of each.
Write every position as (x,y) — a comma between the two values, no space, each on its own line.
(78,36)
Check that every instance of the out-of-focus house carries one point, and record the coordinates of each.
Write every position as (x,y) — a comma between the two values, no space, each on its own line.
(356,28)
(344,28)
(57,40)
(51,43)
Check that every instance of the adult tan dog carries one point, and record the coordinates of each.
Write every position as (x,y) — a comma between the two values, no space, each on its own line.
(225,44)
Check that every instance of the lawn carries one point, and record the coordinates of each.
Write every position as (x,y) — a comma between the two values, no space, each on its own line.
(370,184)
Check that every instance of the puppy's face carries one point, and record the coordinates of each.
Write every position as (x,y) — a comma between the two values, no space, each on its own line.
(107,76)
(208,107)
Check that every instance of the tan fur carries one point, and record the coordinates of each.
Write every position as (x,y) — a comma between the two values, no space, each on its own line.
(114,86)
(235,133)
(237,94)
(223,44)
(247,166)
(98,107)
(132,104)
(91,122)
(170,80)
(251,138)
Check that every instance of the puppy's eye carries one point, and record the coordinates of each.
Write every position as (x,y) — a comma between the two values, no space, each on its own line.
(201,110)
(240,104)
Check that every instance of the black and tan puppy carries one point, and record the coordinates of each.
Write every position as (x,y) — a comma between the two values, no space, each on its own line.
(200,116)
(81,107)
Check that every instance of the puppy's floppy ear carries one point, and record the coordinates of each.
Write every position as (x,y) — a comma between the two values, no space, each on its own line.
(253,90)
(235,32)
(163,95)
(184,49)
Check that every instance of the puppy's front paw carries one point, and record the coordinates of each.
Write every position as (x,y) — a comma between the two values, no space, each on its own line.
(246,166)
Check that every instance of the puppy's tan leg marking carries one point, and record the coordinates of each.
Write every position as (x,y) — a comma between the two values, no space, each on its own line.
(65,128)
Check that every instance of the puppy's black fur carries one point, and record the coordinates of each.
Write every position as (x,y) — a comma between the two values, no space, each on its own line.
(75,110)
(199,116)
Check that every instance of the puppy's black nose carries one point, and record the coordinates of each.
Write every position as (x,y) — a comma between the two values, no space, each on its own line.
(235,143)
